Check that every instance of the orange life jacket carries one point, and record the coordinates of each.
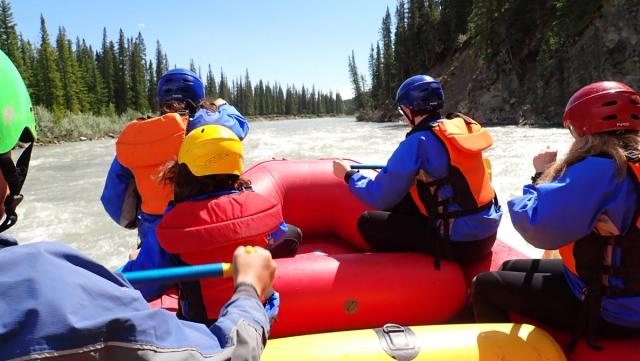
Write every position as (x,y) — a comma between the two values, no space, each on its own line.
(144,147)
(470,178)
(210,230)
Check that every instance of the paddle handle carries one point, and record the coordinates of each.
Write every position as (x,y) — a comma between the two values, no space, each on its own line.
(367,166)
(183,273)
(175,274)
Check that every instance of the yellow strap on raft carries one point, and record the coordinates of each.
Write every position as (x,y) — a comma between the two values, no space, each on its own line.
(486,342)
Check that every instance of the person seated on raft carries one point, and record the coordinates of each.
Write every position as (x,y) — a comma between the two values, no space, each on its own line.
(214,210)
(585,205)
(59,305)
(434,195)
(132,195)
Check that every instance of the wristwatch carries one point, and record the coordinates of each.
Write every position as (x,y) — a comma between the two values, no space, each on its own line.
(535,177)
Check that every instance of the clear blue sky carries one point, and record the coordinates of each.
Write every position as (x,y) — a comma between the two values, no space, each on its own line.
(292,42)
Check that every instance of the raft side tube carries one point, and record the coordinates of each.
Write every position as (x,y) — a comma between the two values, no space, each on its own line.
(472,342)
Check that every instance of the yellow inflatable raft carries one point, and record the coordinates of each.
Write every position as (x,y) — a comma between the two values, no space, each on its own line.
(485,342)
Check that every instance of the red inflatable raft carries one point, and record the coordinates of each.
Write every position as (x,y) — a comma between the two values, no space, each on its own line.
(333,284)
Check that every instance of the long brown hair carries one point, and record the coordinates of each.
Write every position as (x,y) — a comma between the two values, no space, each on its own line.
(187,185)
(617,145)
(180,106)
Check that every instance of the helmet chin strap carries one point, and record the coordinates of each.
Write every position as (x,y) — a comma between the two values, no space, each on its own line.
(14,175)
(410,119)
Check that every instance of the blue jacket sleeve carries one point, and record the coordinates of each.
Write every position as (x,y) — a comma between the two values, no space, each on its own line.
(226,115)
(393,182)
(151,256)
(279,232)
(553,214)
(117,195)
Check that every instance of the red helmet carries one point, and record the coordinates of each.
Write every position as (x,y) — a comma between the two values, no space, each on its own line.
(602,107)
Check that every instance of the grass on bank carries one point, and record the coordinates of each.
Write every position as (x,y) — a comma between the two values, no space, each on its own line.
(66,127)
(72,127)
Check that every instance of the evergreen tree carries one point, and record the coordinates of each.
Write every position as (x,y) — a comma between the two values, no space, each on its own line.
(387,62)
(376,92)
(322,107)
(211,89)
(453,21)
(359,95)
(152,86)
(68,72)
(28,60)
(47,85)
(269,100)
(93,82)
(278,99)
(249,102)
(313,109)
(107,67)
(260,98)
(192,66)
(429,33)
(223,89)
(121,84)
(137,75)
(330,103)
(289,105)
(82,93)
(375,76)
(303,101)
(401,46)
(237,95)
(482,20)
(162,65)
(339,104)
(9,36)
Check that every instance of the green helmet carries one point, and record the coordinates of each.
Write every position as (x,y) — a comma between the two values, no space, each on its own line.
(16,112)
(17,123)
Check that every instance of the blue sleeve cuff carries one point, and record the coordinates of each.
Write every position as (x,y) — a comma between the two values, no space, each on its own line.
(279,232)
(349,174)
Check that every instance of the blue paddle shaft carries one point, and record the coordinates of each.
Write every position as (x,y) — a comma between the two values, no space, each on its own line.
(175,274)
(367,166)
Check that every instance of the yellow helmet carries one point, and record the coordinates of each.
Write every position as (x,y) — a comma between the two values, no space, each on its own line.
(212,149)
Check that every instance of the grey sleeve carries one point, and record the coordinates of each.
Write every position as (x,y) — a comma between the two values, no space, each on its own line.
(243,326)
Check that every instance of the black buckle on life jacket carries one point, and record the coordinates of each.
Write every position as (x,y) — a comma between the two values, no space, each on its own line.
(11,202)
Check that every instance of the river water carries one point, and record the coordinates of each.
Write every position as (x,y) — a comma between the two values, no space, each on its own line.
(62,191)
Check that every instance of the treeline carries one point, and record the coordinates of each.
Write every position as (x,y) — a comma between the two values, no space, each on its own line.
(71,77)
(425,32)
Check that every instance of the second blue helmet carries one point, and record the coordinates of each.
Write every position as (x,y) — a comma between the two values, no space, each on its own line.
(180,84)
(421,93)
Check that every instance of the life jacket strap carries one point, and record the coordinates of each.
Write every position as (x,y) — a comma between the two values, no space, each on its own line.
(588,318)
(438,211)
(14,175)
(466,212)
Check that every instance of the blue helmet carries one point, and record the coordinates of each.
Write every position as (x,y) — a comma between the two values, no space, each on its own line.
(421,93)
(180,84)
